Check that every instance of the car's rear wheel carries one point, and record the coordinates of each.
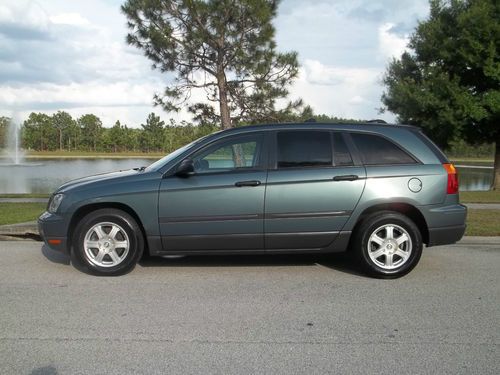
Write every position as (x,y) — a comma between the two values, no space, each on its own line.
(388,244)
(107,242)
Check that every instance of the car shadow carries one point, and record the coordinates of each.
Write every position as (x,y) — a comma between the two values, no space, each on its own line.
(338,262)
(55,256)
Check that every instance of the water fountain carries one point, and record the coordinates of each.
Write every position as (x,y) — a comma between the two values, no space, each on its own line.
(14,152)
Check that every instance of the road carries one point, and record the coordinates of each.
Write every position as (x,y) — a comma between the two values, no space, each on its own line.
(248,315)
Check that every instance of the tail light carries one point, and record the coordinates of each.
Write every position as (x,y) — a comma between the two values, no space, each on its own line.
(452,187)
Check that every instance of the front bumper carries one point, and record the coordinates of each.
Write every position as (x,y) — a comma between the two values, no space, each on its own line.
(53,230)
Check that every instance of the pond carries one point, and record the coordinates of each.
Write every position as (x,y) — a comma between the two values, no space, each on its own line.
(40,176)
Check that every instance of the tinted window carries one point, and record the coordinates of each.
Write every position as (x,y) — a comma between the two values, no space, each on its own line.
(229,155)
(341,154)
(376,150)
(304,149)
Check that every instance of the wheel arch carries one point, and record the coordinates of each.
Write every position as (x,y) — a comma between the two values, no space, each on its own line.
(406,209)
(88,208)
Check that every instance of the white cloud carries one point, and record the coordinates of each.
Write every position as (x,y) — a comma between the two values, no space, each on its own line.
(69,19)
(390,45)
(70,55)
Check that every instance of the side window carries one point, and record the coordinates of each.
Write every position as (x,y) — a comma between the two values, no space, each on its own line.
(376,150)
(304,149)
(341,154)
(238,153)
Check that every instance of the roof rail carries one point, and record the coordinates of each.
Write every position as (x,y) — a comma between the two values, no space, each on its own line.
(376,121)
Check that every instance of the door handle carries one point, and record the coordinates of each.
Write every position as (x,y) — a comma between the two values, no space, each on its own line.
(347,177)
(247,183)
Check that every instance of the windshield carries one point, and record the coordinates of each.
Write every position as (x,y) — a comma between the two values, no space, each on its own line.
(164,160)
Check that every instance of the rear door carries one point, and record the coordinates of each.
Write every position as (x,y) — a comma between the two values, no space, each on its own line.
(312,189)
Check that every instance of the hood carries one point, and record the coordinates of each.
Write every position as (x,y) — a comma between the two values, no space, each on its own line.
(98,178)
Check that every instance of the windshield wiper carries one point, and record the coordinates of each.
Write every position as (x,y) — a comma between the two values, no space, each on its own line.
(140,169)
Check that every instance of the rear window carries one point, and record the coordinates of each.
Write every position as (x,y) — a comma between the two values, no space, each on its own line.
(341,154)
(304,149)
(376,150)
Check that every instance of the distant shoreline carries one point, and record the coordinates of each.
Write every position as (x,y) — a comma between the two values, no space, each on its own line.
(89,156)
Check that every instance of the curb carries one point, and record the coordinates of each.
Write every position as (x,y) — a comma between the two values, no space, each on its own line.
(30,227)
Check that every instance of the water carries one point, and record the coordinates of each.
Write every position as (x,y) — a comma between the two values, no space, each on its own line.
(42,176)
(475,178)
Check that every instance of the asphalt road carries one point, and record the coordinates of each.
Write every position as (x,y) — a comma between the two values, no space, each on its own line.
(248,315)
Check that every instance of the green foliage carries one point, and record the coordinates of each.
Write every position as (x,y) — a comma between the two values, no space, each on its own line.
(450,81)
(224,47)
(40,132)
(91,127)
(4,123)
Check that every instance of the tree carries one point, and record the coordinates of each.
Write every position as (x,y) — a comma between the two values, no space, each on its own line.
(225,47)
(91,128)
(61,121)
(117,136)
(449,81)
(153,133)
(4,124)
(38,132)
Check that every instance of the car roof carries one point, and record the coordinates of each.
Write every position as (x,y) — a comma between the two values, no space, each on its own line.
(318,125)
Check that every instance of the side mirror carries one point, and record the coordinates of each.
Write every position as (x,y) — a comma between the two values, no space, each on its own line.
(185,168)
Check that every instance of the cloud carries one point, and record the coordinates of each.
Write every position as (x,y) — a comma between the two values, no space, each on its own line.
(69,19)
(60,54)
(391,44)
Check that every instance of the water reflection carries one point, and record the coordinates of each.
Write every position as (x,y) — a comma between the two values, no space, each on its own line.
(474,179)
(43,176)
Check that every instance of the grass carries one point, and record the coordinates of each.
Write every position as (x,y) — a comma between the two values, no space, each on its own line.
(492,196)
(27,195)
(459,160)
(483,223)
(11,213)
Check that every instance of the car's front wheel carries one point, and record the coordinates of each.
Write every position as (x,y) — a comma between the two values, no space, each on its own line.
(388,244)
(107,242)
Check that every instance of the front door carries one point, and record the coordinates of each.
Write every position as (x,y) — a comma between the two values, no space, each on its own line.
(220,206)
(311,191)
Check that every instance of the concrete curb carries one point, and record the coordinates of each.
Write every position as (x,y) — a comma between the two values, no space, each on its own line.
(30,229)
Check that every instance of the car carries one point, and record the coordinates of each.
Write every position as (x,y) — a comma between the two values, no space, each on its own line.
(377,191)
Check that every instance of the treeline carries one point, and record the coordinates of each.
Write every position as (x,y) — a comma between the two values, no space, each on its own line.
(42,132)
(60,131)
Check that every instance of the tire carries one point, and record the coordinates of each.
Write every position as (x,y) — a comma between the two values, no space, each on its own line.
(107,242)
(388,244)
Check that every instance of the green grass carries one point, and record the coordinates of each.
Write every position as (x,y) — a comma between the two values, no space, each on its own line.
(25,195)
(492,196)
(459,160)
(483,223)
(11,213)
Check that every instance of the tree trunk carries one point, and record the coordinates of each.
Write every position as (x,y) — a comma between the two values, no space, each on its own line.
(496,168)
(60,140)
(223,103)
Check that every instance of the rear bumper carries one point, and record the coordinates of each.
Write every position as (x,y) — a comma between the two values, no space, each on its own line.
(446,223)
(52,229)
(445,235)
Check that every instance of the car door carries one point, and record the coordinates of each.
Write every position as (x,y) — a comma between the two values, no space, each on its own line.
(221,205)
(311,191)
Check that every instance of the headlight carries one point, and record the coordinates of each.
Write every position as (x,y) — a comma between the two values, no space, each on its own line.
(55,202)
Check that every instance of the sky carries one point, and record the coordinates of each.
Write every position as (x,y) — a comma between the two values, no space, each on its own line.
(72,56)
